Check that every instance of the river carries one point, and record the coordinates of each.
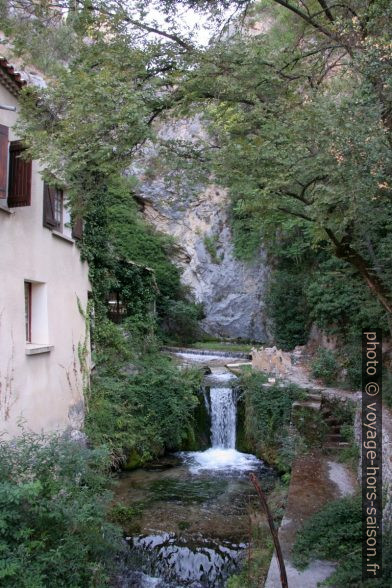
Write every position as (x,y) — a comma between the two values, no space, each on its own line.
(193,509)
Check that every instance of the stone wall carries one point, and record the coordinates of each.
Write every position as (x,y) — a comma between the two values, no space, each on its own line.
(272,361)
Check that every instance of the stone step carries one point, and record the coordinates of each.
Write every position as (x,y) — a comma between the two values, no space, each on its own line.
(314,396)
(312,404)
(335,445)
(332,422)
(334,429)
(334,437)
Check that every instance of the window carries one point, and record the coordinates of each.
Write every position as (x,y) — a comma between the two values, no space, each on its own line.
(27,293)
(19,177)
(53,207)
(15,172)
(36,312)
(58,208)
(56,213)
(116,309)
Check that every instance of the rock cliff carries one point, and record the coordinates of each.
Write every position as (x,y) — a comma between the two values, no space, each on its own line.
(232,291)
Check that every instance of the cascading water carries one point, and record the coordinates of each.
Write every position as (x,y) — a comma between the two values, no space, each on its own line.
(222,408)
(223,418)
(193,524)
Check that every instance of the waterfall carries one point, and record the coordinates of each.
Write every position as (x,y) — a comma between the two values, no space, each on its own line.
(223,418)
(221,405)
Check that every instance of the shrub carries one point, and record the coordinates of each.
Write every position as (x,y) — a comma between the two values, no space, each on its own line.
(288,310)
(320,539)
(324,366)
(387,388)
(53,503)
(267,418)
(146,406)
(341,542)
(181,320)
(211,243)
(352,354)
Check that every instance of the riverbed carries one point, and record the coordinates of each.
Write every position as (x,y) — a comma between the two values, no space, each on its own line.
(192,510)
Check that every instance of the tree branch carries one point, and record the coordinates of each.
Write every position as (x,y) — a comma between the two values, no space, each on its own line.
(306,18)
(296,214)
(326,9)
(344,250)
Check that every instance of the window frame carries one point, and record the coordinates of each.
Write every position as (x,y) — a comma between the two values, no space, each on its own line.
(28,307)
(58,198)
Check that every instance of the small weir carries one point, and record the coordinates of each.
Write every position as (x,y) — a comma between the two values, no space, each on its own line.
(194,507)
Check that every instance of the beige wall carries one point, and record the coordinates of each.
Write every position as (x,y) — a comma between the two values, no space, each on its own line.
(45,390)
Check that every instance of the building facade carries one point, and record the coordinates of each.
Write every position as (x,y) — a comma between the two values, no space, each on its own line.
(44,287)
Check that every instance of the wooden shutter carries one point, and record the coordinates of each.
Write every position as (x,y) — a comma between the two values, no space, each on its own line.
(19,184)
(49,219)
(3,160)
(77,228)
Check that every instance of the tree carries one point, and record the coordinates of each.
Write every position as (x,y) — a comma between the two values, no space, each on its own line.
(301,120)
(300,114)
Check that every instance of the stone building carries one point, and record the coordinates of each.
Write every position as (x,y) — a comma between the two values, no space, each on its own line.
(44,284)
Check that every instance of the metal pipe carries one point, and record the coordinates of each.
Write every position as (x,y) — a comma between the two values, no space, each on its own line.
(5,107)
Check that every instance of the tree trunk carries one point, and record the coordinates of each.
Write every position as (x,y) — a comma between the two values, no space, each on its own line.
(344,251)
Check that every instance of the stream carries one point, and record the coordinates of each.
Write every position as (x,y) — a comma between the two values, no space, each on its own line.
(192,508)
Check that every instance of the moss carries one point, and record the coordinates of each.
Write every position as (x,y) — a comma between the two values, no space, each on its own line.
(243,443)
(134,460)
(198,435)
(187,491)
(184,525)
(310,425)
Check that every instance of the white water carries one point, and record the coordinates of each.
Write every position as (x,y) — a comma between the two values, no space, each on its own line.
(223,418)
(222,456)
(218,459)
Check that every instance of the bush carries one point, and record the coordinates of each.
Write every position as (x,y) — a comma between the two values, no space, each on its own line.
(267,418)
(145,406)
(181,320)
(211,243)
(324,366)
(341,542)
(319,539)
(53,503)
(387,388)
(338,300)
(287,308)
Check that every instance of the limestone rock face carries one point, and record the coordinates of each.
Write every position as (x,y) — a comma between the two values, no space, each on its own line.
(231,291)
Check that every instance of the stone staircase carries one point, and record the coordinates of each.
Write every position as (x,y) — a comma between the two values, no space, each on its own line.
(334,440)
(314,401)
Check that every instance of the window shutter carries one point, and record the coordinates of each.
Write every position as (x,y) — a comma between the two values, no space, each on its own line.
(49,220)
(77,228)
(19,184)
(3,160)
